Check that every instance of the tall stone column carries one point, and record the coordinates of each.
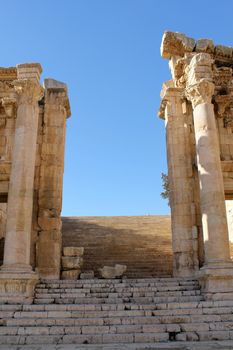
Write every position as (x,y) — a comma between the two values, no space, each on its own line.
(16,277)
(200,90)
(49,242)
(180,174)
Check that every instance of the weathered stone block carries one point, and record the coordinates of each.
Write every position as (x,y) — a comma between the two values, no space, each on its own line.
(113,272)
(87,275)
(70,274)
(176,44)
(73,251)
(70,263)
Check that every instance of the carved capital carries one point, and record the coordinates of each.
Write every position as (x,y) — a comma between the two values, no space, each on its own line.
(28,91)
(9,105)
(201,92)
(199,82)
(222,102)
(172,98)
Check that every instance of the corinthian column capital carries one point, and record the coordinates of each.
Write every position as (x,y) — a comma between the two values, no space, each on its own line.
(201,92)
(28,91)
(199,79)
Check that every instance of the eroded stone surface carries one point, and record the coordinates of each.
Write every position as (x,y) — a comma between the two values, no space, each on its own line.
(73,251)
(113,272)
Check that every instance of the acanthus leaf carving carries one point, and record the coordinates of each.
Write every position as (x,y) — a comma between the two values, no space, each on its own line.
(201,92)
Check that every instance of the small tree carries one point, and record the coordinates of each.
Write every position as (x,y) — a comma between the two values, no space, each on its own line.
(165,184)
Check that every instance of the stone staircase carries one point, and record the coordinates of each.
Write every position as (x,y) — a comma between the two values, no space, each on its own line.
(143,243)
(123,311)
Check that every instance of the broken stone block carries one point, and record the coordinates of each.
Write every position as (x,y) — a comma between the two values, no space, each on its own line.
(71,263)
(112,272)
(204,45)
(73,251)
(87,275)
(70,274)
(176,44)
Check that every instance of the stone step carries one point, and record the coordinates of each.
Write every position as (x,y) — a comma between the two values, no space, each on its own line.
(104,295)
(171,345)
(114,338)
(199,306)
(121,289)
(162,280)
(116,328)
(116,317)
(91,300)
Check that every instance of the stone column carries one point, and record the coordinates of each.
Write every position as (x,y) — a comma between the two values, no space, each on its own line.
(56,111)
(16,269)
(180,173)
(200,90)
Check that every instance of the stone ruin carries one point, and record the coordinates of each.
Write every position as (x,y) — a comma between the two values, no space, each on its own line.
(32,140)
(197,105)
(197,303)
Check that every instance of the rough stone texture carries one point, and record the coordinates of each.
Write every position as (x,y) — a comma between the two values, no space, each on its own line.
(70,274)
(71,262)
(73,251)
(143,243)
(112,272)
(87,275)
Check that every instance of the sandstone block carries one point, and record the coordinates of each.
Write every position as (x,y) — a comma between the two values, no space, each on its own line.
(73,251)
(112,272)
(70,263)
(70,274)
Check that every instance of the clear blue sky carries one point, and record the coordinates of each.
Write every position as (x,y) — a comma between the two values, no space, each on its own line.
(107,51)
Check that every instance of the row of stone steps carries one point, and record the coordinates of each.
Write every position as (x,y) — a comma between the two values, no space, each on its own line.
(110,319)
(118,292)
(143,243)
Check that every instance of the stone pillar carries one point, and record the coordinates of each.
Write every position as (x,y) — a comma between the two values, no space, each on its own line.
(16,277)
(217,272)
(180,173)
(49,242)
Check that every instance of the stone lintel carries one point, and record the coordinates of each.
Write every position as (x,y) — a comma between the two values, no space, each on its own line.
(178,44)
(8,74)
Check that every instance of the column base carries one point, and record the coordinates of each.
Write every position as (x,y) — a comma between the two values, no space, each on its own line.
(17,287)
(216,281)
